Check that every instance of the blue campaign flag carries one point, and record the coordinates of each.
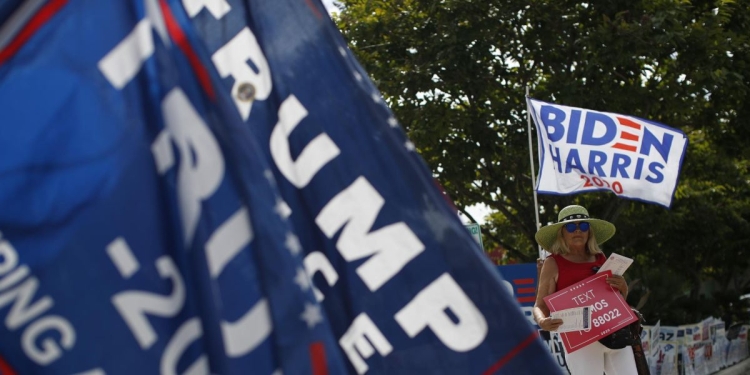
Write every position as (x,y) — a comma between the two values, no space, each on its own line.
(173,172)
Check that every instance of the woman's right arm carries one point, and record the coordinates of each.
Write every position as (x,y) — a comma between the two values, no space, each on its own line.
(547,286)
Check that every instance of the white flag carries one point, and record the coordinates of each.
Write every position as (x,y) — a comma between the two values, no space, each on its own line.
(582,150)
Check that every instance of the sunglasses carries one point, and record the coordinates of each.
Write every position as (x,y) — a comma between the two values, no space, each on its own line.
(583,226)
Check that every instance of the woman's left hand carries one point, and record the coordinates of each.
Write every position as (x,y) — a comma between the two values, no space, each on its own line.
(618,282)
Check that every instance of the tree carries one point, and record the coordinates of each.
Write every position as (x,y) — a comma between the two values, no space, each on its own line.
(455,73)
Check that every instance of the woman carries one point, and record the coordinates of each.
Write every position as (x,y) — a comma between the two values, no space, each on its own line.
(574,243)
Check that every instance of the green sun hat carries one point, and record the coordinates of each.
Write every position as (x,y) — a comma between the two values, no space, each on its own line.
(603,230)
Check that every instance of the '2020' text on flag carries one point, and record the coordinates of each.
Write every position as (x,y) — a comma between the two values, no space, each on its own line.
(582,150)
(215,186)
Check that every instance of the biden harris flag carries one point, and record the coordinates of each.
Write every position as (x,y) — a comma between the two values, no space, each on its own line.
(581,150)
(216,187)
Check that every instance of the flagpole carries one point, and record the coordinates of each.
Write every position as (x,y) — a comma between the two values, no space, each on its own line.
(533,173)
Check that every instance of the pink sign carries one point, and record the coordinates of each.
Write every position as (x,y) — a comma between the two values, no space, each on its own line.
(609,311)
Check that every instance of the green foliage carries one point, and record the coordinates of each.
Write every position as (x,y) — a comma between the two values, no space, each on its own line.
(455,73)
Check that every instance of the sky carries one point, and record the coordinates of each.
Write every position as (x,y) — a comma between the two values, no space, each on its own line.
(478,211)
(329,5)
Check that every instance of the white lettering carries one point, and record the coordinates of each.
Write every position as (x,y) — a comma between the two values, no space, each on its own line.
(227,241)
(355,343)
(583,298)
(162,151)
(249,331)
(428,309)
(185,335)
(17,275)
(317,261)
(201,166)
(392,247)
(21,313)
(244,335)
(49,350)
(135,305)
(122,257)
(231,60)
(124,61)
(313,157)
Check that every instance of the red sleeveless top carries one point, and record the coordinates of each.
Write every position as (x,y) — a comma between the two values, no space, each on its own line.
(569,273)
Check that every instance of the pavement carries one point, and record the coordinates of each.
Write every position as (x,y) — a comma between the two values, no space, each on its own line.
(742,368)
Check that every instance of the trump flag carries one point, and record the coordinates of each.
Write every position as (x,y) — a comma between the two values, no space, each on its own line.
(216,187)
(582,150)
